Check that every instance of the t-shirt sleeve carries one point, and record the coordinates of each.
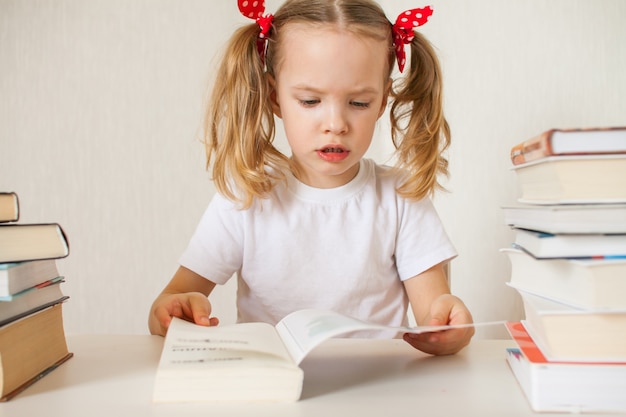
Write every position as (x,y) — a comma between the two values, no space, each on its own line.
(422,241)
(215,249)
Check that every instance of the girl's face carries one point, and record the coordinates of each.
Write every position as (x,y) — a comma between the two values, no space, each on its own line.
(331,87)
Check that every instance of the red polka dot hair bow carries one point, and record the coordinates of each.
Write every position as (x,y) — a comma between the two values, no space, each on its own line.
(253,9)
(403,30)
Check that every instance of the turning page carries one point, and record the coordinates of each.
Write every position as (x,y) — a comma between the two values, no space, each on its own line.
(303,330)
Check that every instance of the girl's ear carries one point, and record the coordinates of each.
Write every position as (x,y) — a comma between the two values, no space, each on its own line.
(273,95)
(383,104)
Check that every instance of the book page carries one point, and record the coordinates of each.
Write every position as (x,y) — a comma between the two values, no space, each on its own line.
(303,330)
(190,343)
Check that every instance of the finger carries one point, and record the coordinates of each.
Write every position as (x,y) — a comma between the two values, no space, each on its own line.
(200,310)
(422,342)
(163,317)
(160,320)
(461,315)
(423,338)
(440,343)
(440,310)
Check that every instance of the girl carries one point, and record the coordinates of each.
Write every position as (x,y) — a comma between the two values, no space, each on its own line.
(323,228)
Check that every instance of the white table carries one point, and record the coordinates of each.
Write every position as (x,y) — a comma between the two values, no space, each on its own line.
(112,376)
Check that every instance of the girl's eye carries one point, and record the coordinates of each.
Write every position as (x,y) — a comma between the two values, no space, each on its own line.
(360,104)
(309,103)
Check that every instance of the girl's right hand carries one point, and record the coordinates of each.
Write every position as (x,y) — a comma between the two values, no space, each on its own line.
(191,306)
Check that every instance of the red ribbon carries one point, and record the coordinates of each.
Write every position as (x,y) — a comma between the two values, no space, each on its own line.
(403,30)
(253,9)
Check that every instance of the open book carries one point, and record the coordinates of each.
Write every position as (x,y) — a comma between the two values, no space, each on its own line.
(249,361)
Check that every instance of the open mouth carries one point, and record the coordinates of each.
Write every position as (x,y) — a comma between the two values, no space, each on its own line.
(333,153)
(333,150)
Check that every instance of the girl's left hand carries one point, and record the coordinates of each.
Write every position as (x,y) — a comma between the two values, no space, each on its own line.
(445,309)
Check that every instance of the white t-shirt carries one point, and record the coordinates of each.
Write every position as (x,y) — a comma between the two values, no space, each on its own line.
(345,249)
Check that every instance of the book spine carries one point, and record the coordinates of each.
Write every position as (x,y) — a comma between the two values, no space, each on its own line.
(532,149)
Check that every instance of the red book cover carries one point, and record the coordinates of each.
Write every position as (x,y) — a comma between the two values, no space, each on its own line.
(532,352)
(525,343)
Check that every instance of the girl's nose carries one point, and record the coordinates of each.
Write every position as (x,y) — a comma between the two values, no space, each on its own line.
(336,122)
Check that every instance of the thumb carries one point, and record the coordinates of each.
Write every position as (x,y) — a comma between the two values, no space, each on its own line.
(200,309)
(440,311)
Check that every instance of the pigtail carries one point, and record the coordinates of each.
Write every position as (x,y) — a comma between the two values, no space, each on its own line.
(420,131)
(239,123)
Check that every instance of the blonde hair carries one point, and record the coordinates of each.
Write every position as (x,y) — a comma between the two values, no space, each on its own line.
(239,122)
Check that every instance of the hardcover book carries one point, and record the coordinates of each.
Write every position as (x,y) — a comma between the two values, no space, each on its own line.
(573,180)
(16,277)
(28,242)
(544,245)
(31,348)
(566,334)
(586,284)
(570,142)
(563,386)
(30,300)
(568,218)
(9,207)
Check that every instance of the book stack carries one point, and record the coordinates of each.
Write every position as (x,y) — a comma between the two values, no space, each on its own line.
(568,263)
(32,337)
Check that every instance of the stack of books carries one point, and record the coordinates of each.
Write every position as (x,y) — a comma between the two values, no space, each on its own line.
(568,263)
(32,336)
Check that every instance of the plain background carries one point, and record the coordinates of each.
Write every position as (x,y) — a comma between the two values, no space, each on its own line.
(101,105)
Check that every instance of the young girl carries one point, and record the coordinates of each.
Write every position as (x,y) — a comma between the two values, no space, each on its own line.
(323,228)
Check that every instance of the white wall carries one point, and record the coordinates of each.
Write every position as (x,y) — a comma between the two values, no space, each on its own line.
(101,106)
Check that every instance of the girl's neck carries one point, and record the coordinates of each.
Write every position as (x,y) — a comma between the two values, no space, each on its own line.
(330,195)
(323,181)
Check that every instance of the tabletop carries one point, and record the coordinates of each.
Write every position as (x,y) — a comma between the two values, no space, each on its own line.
(113,376)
